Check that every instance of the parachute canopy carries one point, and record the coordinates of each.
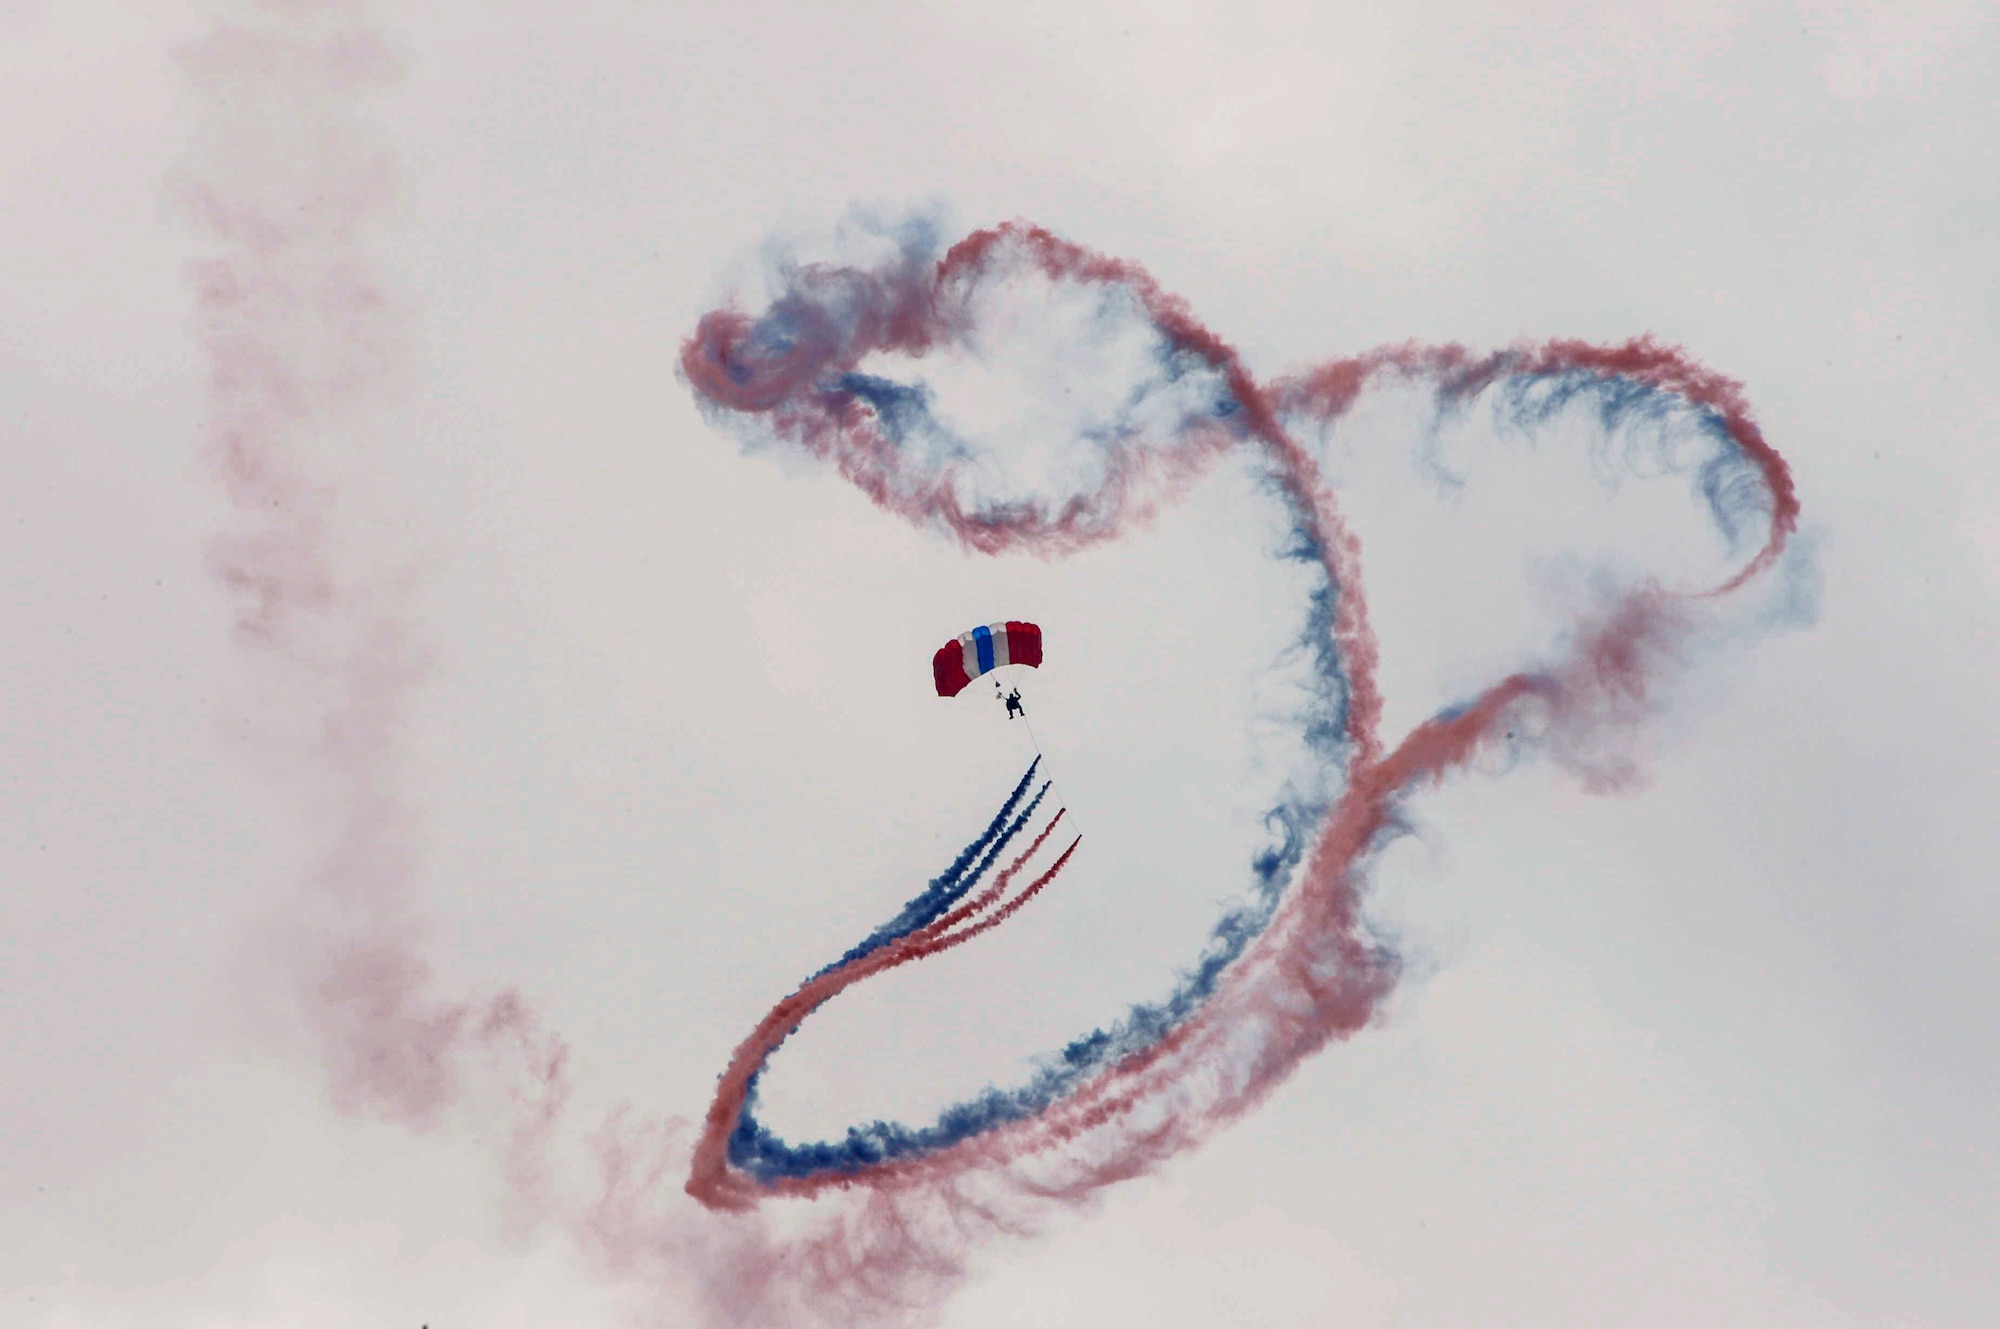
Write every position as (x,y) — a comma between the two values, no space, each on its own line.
(982,650)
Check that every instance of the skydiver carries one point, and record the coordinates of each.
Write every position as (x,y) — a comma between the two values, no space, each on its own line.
(1014,706)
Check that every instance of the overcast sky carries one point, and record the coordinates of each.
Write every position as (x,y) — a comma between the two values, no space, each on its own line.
(1719,1049)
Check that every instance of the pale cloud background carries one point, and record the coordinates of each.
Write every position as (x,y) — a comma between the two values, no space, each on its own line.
(1720,1051)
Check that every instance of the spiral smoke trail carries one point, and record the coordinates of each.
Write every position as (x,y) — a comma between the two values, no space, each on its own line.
(1298,968)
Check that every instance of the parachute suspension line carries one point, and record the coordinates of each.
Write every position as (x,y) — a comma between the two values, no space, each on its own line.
(1035,741)
(1032,737)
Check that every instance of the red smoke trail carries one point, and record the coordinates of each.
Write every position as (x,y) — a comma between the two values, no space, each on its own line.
(300,342)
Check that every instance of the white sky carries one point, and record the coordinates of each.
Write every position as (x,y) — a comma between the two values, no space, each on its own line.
(1719,1051)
